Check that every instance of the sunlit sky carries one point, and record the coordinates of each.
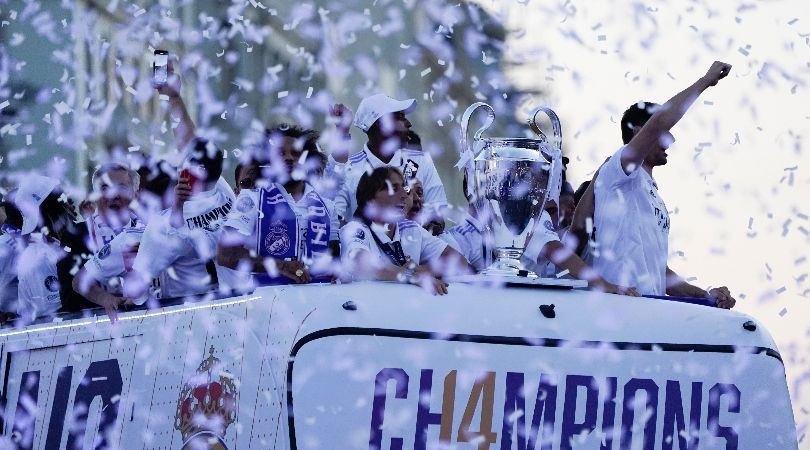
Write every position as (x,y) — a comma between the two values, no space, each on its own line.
(737,180)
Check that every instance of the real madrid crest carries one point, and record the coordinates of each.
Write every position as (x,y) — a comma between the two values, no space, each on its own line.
(410,169)
(277,241)
(206,406)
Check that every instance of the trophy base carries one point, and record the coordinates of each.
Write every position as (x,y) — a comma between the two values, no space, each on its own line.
(510,272)
(493,280)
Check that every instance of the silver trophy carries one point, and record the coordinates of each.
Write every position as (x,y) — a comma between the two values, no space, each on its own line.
(509,180)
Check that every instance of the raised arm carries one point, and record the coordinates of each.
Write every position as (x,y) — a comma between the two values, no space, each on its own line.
(184,130)
(667,116)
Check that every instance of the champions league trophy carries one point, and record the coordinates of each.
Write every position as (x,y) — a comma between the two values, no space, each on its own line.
(509,181)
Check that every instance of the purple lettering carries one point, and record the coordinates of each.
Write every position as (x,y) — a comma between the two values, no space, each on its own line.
(400,379)
(674,418)
(25,416)
(569,426)
(713,416)
(628,411)
(545,408)
(102,379)
(609,414)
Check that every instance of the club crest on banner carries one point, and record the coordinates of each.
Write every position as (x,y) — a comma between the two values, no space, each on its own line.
(277,241)
(206,406)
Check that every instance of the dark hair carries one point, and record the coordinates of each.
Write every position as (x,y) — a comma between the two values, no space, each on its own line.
(581,191)
(370,184)
(309,137)
(636,116)
(13,215)
(58,216)
(209,156)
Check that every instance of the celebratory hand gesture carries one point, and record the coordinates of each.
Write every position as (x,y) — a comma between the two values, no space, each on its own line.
(717,72)
(343,117)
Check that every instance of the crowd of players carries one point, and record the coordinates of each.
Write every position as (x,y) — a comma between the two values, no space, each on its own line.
(297,215)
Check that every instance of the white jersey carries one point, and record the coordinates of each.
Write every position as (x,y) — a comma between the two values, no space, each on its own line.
(101,233)
(542,233)
(244,217)
(115,259)
(632,228)
(412,163)
(417,243)
(186,253)
(471,240)
(38,288)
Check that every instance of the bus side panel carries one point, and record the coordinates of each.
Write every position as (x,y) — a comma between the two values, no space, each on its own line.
(393,389)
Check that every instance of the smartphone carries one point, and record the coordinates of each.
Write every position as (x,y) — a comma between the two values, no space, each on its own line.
(160,68)
(189,175)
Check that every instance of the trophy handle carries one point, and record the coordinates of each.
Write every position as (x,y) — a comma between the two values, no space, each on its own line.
(555,124)
(467,152)
(553,149)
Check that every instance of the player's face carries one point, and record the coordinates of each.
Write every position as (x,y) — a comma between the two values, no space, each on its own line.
(289,152)
(390,202)
(417,195)
(116,192)
(395,126)
(247,178)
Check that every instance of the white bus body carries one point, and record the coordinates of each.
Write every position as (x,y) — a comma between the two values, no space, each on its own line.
(386,366)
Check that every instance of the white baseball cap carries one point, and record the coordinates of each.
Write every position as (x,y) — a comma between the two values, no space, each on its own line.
(32,191)
(373,107)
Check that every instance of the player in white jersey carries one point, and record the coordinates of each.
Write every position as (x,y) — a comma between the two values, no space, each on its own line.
(384,121)
(283,231)
(115,187)
(54,242)
(182,240)
(381,244)
(631,219)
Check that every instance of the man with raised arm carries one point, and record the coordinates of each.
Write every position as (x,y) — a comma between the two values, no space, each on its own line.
(631,219)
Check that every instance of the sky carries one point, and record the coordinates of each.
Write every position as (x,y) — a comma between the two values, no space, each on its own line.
(738,177)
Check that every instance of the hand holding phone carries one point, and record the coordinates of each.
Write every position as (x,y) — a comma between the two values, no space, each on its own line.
(160,68)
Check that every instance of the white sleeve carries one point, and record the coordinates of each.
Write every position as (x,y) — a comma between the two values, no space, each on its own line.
(342,201)
(453,241)
(161,245)
(245,213)
(612,175)
(107,262)
(334,222)
(434,189)
(225,188)
(432,247)
(354,237)
(542,233)
(334,172)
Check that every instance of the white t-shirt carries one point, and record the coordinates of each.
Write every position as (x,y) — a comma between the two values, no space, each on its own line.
(244,217)
(186,253)
(468,238)
(632,228)
(412,163)
(38,287)
(542,233)
(417,243)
